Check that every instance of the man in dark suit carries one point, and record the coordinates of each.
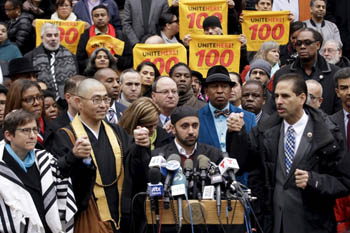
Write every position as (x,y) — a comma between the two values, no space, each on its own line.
(341,118)
(299,161)
(111,81)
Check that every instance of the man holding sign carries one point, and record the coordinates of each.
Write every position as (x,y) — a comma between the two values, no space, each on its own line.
(101,19)
(54,61)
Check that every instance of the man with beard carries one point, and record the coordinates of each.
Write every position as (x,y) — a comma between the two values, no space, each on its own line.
(333,53)
(182,75)
(54,62)
(111,81)
(165,95)
(311,65)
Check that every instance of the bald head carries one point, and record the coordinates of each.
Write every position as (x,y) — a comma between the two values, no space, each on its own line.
(315,92)
(110,80)
(88,86)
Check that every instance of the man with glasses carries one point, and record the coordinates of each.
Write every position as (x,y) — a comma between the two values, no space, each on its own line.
(333,53)
(311,65)
(165,95)
(169,27)
(108,154)
(314,93)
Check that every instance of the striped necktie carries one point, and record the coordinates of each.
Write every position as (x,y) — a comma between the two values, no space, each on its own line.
(112,116)
(289,148)
(52,70)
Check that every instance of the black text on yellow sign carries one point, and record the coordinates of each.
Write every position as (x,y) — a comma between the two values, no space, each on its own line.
(261,26)
(164,56)
(192,14)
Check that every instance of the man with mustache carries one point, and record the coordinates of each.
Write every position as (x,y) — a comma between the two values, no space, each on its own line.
(54,62)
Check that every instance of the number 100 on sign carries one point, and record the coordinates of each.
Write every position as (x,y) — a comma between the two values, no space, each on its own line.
(215,57)
(265,31)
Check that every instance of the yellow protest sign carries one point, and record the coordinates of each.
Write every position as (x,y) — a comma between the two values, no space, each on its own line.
(70,32)
(164,56)
(114,45)
(193,12)
(262,26)
(207,51)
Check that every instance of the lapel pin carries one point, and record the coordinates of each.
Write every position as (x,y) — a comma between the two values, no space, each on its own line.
(309,134)
(321,76)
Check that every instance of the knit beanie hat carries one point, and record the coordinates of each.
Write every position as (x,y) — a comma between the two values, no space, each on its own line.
(261,64)
(211,21)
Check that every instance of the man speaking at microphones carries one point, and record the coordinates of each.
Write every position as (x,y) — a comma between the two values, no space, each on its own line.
(185,127)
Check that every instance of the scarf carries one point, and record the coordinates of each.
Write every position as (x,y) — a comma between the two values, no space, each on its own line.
(99,186)
(184,98)
(27,162)
(153,139)
(71,17)
(111,31)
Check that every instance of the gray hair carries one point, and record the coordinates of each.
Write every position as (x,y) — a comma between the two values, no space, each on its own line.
(336,42)
(46,26)
(265,48)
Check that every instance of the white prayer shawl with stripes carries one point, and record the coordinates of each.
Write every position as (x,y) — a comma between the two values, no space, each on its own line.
(17,209)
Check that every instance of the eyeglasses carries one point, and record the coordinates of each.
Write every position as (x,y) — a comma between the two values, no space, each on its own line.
(304,42)
(28,131)
(167,92)
(11,9)
(98,100)
(31,99)
(175,21)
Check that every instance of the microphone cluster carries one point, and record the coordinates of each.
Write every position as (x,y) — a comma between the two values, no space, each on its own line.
(206,181)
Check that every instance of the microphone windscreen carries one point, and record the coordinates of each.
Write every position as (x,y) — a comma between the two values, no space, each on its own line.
(154,175)
(174,157)
(203,162)
(188,164)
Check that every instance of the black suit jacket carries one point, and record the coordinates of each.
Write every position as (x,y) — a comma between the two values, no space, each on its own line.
(338,118)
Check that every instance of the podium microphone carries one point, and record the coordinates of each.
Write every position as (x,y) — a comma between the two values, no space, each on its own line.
(216,180)
(203,165)
(157,161)
(229,166)
(179,189)
(171,168)
(188,170)
(155,190)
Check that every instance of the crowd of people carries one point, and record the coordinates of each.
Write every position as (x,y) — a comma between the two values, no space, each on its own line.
(79,130)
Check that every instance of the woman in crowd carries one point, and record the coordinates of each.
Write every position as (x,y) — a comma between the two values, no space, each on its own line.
(100,58)
(27,95)
(143,112)
(270,52)
(50,106)
(20,29)
(8,50)
(149,72)
(64,11)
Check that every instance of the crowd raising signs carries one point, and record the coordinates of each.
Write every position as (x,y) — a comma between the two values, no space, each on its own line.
(207,51)
(164,56)
(192,14)
(70,32)
(262,26)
